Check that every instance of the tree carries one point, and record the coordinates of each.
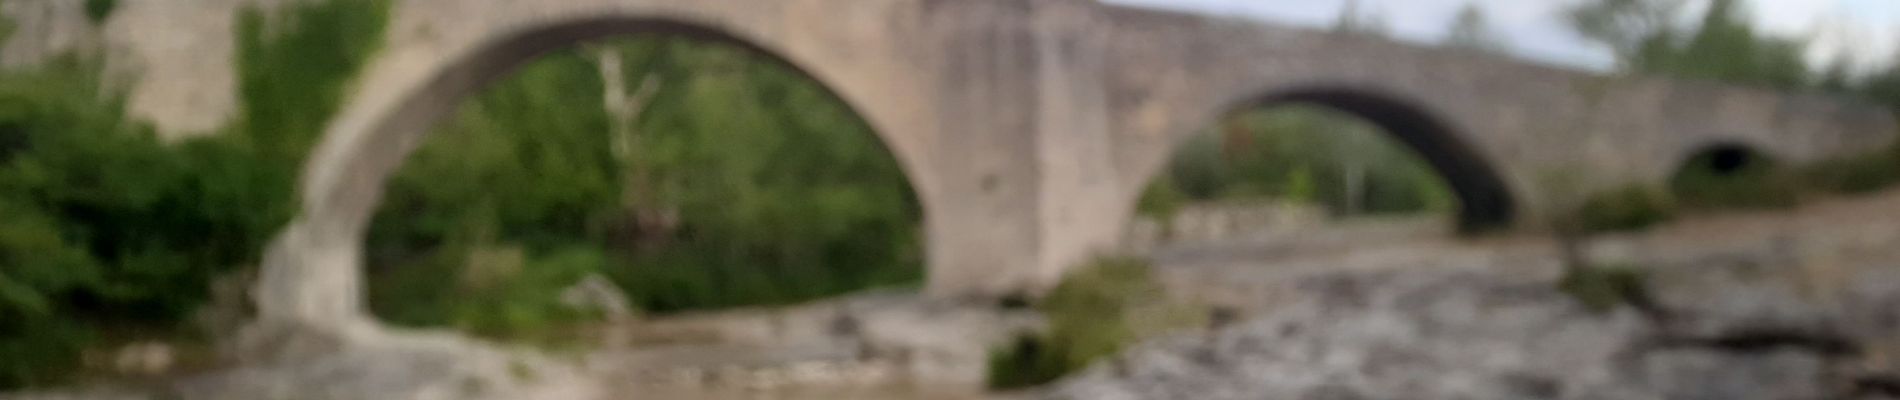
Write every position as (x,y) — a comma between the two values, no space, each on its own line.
(1471,30)
(1728,48)
(1837,78)
(1725,47)
(1354,22)
(1629,28)
(652,221)
(1884,86)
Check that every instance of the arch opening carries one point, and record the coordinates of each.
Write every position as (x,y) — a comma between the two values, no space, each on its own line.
(1731,175)
(719,175)
(1385,157)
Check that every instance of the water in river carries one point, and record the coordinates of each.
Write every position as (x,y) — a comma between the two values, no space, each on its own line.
(804,392)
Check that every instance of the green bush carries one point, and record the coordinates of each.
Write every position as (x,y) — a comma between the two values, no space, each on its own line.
(1854,174)
(1027,361)
(1630,208)
(1160,200)
(110,230)
(105,225)
(494,291)
(1602,288)
(40,351)
(1093,314)
(37,268)
(98,228)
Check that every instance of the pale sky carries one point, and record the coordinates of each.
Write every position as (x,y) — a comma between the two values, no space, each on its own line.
(1867,29)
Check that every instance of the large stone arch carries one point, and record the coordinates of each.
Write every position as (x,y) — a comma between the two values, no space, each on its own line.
(1485,202)
(312,273)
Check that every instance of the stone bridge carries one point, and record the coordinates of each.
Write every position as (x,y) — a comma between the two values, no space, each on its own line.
(1029,127)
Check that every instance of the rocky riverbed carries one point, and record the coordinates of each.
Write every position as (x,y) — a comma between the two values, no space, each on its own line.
(1801,304)
(1795,305)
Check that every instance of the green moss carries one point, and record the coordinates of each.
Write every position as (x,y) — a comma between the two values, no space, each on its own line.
(6,28)
(1630,208)
(294,72)
(1160,201)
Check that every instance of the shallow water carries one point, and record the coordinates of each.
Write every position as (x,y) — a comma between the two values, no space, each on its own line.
(803,392)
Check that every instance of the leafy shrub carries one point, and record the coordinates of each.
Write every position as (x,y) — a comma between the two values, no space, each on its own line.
(492,291)
(88,199)
(108,228)
(106,225)
(1855,174)
(1160,200)
(1630,208)
(1093,314)
(98,10)
(1026,361)
(1602,288)
(37,267)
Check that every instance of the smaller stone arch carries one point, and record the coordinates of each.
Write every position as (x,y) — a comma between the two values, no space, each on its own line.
(1485,201)
(1725,157)
(1730,174)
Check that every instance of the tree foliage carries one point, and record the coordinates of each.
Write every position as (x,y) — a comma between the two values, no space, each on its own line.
(1304,154)
(1724,46)
(1627,27)
(756,186)
(1354,21)
(1471,30)
(108,227)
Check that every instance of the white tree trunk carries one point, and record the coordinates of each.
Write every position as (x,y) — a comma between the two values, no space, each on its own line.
(624,110)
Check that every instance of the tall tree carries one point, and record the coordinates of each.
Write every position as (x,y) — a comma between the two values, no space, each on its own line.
(1725,47)
(1471,30)
(1884,86)
(1837,78)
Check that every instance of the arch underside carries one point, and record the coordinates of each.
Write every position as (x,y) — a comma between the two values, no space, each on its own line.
(1485,202)
(313,271)
(348,167)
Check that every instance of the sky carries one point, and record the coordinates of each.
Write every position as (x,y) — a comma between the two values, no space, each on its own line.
(1866,29)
